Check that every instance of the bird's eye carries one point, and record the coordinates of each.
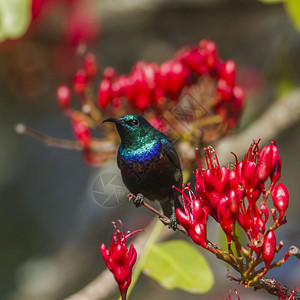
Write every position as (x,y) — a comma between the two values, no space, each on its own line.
(133,122)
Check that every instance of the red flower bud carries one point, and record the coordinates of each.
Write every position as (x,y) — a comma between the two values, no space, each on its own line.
(63,94)
(224,89)
(223,184)
(119,260)
(264,209)
(178,77)
(234,202)
(209,50)
(249,174)
(238,98)
(233,180)
(81,130)
(104,93)
(142,101)
(225,216)
(275,154)
(269,248)
(214,199)
(198,234)
(275,175)
(280,196)
(159,93)
(80,81)
(228,72)
(173,75)
(195,61)
(218,67)
(90,65)
(209,180)
(266,162)
(255,194)
(109,73)
(138,79)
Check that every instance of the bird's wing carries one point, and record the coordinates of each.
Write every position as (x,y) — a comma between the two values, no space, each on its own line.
(172,155)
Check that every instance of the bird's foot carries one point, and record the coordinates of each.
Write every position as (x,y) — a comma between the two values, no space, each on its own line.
(139,199)
(173,222)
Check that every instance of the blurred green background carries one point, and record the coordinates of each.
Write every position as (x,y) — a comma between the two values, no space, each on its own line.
(50,225)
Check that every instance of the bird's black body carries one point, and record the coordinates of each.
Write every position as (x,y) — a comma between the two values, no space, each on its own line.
(149,163)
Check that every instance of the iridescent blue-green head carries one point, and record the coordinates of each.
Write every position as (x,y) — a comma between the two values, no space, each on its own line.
(134,130)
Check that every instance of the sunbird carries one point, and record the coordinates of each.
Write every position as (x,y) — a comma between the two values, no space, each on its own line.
(149,164)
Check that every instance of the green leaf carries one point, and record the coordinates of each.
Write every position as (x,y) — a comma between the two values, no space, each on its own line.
(293,10)
(15,16)
(177,264)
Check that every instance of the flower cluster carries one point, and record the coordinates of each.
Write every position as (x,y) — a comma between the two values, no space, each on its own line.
(119,259)
(230,195)
(149,84)
(151,89)
(194,217)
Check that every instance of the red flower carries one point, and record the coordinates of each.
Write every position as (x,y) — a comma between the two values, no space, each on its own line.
(280,196)
(194,217)
(268,158)
(142,81)
(119,259)
(195,61)
(227,210)
(81,130)
(269,248)
(63,95)
(104,93)
(230,194)
(173,76)
(80,81)
(213,183)
(90,65)
(148,83)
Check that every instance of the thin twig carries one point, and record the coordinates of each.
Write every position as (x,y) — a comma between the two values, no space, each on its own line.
(47,140)
(295,251)
(165,220)
(270,285)
(97,145)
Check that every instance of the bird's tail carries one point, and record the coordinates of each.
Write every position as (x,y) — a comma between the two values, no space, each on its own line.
(167,208)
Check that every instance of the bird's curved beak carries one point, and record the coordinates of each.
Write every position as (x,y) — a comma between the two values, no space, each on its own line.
(113,120)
